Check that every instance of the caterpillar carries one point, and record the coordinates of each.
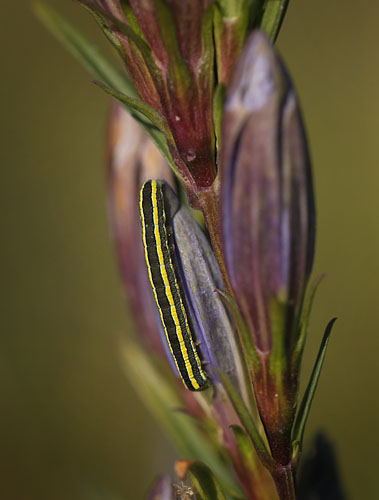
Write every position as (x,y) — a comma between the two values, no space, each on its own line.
(160,260)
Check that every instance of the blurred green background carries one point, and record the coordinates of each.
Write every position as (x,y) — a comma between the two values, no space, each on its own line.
(71,426)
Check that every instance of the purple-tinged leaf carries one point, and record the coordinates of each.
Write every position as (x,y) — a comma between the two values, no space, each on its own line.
(256,478)
(168,51)
(231,23)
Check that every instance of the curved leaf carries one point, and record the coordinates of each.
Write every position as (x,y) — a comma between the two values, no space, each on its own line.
(274,12)
(248,422)
(204,482)
(305,406)
(84,50)
(156,126)
(162,398)
(304,322)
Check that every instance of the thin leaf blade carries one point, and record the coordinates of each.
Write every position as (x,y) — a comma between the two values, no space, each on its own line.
(153,122)
(247,421)
(83,50)
(274,12)
(204,482)
(304,321)
(306,402)
(162,398)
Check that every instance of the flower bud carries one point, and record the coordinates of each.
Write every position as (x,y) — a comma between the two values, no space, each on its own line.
(132,159)
(201,278)
(268,220)
(168,51)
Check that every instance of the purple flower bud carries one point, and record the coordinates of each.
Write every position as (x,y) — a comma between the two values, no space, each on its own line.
(268,221)
(267,197)
(201,278)
(132,159)
(161,489)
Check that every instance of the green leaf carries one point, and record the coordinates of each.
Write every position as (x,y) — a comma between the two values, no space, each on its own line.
(218,107)
(104,28)
(84,50)
(253,466)
(304,322)
(246,339)
(102,16)
(250,354)
(178,70)
(247,421)
(301,418)
(204,482)
(160,395)
(245,448)
(133,105)
(256,12)
(156,126)
(274,12)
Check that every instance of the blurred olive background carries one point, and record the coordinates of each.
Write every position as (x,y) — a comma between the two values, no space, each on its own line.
(71,426)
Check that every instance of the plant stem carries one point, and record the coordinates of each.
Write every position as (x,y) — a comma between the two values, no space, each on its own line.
(208,201)
(285,482)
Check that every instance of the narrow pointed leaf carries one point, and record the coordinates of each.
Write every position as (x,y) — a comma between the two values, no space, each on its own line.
(84,50)
(155,125)
(231,23)
(248,346)
(274,12)
(103,26)
(247,421)
(162,398)
(218,106)
(137,105)
(306,403)
(257,476)
(255,14)
(245,447)
(204,482)
(102,17)
(304,321)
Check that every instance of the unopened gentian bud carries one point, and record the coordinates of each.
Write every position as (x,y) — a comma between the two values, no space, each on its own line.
(168,51)
(132,159)
(268,225)
(201,278)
